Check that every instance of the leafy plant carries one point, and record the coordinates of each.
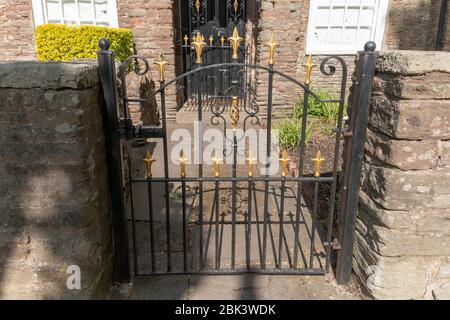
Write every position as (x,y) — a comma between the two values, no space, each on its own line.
(328,111)
(57,42)
(290,132)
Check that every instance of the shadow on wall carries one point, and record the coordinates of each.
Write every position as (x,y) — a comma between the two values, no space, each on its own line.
(412,25)
(54,207)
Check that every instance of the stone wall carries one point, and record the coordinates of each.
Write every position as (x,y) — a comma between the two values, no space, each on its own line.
(402,245)
(54,209)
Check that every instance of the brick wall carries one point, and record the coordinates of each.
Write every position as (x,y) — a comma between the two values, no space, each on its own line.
(53,194)
(16,30)
(402,236)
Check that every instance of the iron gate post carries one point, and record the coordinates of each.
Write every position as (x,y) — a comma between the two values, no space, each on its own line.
(354,154)
(107,72)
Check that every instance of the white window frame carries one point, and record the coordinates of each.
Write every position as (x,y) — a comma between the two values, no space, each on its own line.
(39,13)
(320,49)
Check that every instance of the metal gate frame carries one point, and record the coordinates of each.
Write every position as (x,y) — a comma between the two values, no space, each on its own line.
(120,127)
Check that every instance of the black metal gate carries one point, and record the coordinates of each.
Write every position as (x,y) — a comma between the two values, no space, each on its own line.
(216,218)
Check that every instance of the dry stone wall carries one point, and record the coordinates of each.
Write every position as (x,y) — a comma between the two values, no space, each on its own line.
(54,207)
(403,230)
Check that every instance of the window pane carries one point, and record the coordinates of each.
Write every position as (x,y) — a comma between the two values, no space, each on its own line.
(353,3)
(320,35)
(349,35)
(368,2)
(366,17)
(351,16)
(338,3)
(101,10)
(323,3)
(363,35)
(337,17)
(322,17)
(334,36)
(86,10)
(53,10)
(69,10)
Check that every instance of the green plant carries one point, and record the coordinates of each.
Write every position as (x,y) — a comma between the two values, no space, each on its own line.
(290,131)
(328,111)
(57,42)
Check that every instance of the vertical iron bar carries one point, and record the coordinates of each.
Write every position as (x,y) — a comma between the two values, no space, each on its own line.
(200,166)
(133,219)
(183,200)
(233,203)
(107,71)
(249,222)
(335,167)
(268,151)
(152,229)
(354,154)
(281,219)
(313,225)
(217,260)
(300,174)
(166,174)
(441,27)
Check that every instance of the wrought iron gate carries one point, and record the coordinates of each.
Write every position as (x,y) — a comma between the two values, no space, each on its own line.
(258,223)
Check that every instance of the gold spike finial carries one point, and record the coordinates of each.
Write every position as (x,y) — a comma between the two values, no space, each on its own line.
(272,47)
(199,44)
(148,163)
(236,6)
(234,111)
(182,161)
(161,63)
(186,39)
(222,40)
(211,39)
(235,40)
(216,161)
(309,65)
(250,163)
(197,5)
(284,162)
(318,161)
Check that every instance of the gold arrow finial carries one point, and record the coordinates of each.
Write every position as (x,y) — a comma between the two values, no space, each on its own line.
(318,161)
(222,40)
(250,163)
(161,63)
(197,5)
(234,111)
(284,162)
(216,161)
(272,47)
(199,44)
(236,6)
(182,161)
(186,39)
(148,163)
(235,40)
(211,39)
(309,65)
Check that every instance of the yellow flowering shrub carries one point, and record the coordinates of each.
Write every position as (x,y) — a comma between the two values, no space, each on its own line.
(58,42)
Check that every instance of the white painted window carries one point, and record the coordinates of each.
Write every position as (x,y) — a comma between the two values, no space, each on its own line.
(78,12)
(344,26)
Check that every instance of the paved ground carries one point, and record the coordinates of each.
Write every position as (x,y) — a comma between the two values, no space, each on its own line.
(234,287)
(248,286)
